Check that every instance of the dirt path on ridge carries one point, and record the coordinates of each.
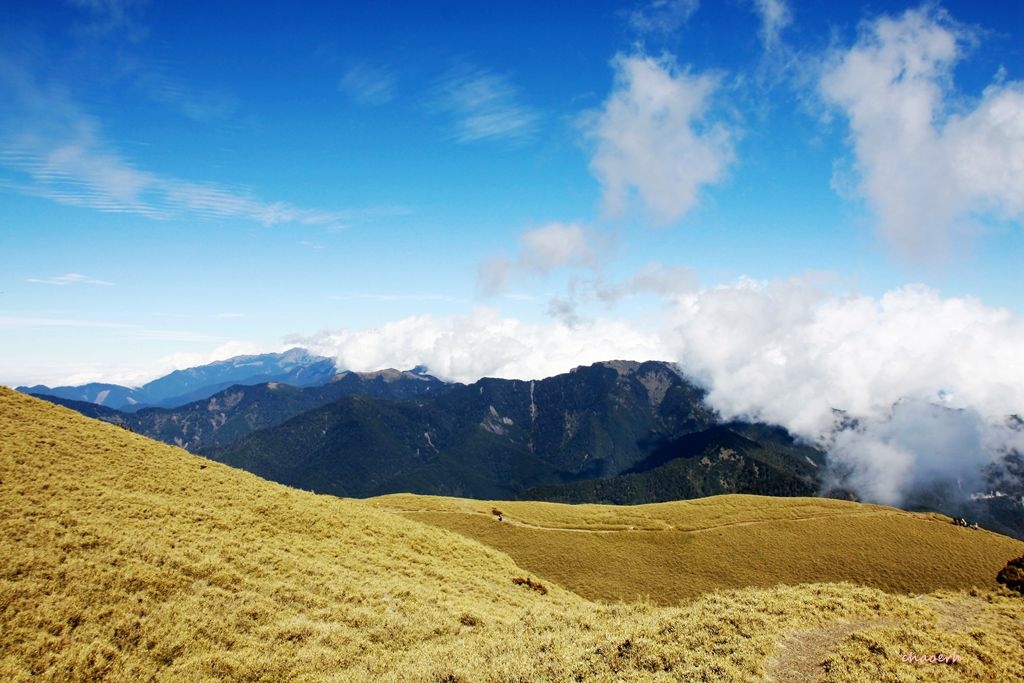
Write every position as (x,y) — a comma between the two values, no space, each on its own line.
(585,530)
(798,658)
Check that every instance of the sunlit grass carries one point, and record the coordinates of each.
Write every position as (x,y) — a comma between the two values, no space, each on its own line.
(672,552)
(124,559)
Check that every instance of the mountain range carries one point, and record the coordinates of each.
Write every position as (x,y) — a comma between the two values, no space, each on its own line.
(619,432)
(296,367)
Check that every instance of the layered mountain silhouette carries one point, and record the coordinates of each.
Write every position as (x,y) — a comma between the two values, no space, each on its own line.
(296,367)
(546,439)
(617,432)
(241,410)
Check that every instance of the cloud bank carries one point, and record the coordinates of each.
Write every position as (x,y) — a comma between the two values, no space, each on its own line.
(482,343)
(929,161)
(928,379)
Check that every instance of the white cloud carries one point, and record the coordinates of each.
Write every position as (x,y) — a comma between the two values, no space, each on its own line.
(787,353)
(653,278)
(482,344)
(20,321)
(555,245)
(541,250)
(775,16)
(651,137)
(920,443)
(107,16)
(185,360)
(662,16)
(369,85)
(69,279)
(928,379)
(928,160)
(485,106)
(391,297)
(199,105)
(52,149)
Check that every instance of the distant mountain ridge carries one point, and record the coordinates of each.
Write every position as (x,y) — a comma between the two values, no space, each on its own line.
(620,432)
(240,410)
(296,367)
(500,438)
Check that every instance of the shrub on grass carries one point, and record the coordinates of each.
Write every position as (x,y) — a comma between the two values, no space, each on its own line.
(530,583)
(1013,575)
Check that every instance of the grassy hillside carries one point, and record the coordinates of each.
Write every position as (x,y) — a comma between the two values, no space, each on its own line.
(125,559)
(673,552)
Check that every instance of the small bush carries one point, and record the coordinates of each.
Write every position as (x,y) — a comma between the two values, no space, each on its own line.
(530,583)
(1013,575)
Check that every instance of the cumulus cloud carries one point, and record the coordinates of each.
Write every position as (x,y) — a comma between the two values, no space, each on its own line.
(183,360)
(662,16)
(651,137)
(541,250)
(775,16)
(484,106)
(928,160)
(482,343)
(788,353)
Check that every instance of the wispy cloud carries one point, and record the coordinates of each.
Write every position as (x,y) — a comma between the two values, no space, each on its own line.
(391,297)
(200,105)
(484,106)
(662,16)
(541,250)
(69,279)
(107,16)
(187,336)
(15,321)
(51,148)
(127,330)
(775,16)
(369,85)
(229,315)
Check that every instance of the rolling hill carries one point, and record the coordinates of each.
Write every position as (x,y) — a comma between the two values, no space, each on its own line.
(125,559)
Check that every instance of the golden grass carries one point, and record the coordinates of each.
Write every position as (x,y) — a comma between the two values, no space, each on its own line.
(686,515)
(671,552)
(124,559)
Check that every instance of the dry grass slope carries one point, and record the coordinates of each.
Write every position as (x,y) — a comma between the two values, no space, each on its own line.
(673,552)
(123,559)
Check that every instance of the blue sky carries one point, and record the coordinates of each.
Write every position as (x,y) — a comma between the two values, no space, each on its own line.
(497,188)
